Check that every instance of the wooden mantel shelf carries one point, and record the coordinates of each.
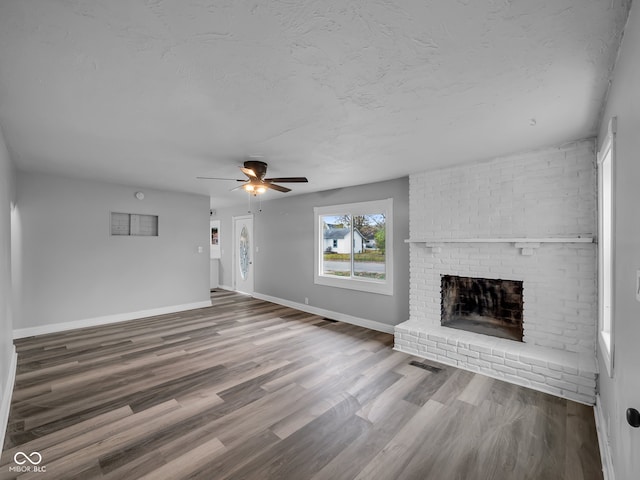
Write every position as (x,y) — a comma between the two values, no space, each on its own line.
(527,245)
(436,241)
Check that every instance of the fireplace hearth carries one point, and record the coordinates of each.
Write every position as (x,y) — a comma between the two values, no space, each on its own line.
(482,305)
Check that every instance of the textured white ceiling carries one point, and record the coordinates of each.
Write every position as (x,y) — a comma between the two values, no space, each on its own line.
(154,93)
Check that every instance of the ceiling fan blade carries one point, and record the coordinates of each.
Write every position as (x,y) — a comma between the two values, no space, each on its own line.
(279,188)
(248,172)
(219,178)
(287,179)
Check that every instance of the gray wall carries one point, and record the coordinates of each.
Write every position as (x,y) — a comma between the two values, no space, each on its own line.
(73,269)
(623,390)
(7,182)
(284,262)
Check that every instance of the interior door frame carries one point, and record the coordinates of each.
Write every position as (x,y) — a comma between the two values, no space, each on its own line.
(235,252)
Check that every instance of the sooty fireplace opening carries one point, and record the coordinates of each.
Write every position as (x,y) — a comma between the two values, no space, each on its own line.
(482,305)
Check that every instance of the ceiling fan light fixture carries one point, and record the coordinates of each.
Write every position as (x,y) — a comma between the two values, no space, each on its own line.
(253,188)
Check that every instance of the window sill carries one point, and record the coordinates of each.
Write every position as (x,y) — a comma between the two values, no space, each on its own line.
(353,284)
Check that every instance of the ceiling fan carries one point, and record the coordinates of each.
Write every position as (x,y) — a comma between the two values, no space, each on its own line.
(256,170)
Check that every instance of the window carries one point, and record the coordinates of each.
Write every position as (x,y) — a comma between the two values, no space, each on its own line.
(354,246)
(606,158)
(131,224)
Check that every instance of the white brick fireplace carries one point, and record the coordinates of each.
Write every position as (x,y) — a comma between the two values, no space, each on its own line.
(530,218)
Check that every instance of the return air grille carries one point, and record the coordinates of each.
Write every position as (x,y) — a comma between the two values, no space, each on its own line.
(424,366)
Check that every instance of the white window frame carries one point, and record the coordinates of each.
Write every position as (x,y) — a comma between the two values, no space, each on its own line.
(606,246)
(361,208)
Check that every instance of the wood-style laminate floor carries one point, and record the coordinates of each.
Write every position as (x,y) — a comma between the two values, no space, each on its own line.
(247,389)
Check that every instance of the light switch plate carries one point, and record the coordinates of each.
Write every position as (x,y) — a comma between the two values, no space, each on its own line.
(638,285)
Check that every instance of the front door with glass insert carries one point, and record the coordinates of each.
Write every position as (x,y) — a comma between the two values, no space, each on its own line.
(243,254)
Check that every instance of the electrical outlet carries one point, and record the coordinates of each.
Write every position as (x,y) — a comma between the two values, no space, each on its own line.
(638,285)
(306,300)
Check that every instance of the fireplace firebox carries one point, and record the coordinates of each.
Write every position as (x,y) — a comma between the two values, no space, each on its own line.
(482,305)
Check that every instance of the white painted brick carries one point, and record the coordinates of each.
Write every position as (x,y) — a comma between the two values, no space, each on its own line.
(517,380)
(446,360)
(436,338)
(532,376)
(491,358)
(547,372)
(480,348)
(502,368)
(555,366)
(468,353)
(456,356)
(586,390)
(564,385)
(550,192)
(439,351)
(579,397)
(472,367)
(569,369)
(517,365)
(447,347)
(490,372)
(586,382)
(479,363)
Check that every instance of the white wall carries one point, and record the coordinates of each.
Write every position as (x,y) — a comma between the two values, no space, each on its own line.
(623,390)
(7,190)
(283,231)
(72,269)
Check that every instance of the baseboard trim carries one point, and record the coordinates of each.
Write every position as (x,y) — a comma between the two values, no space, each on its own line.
(341,317)
(107,319)
(603,441)
(7,393)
